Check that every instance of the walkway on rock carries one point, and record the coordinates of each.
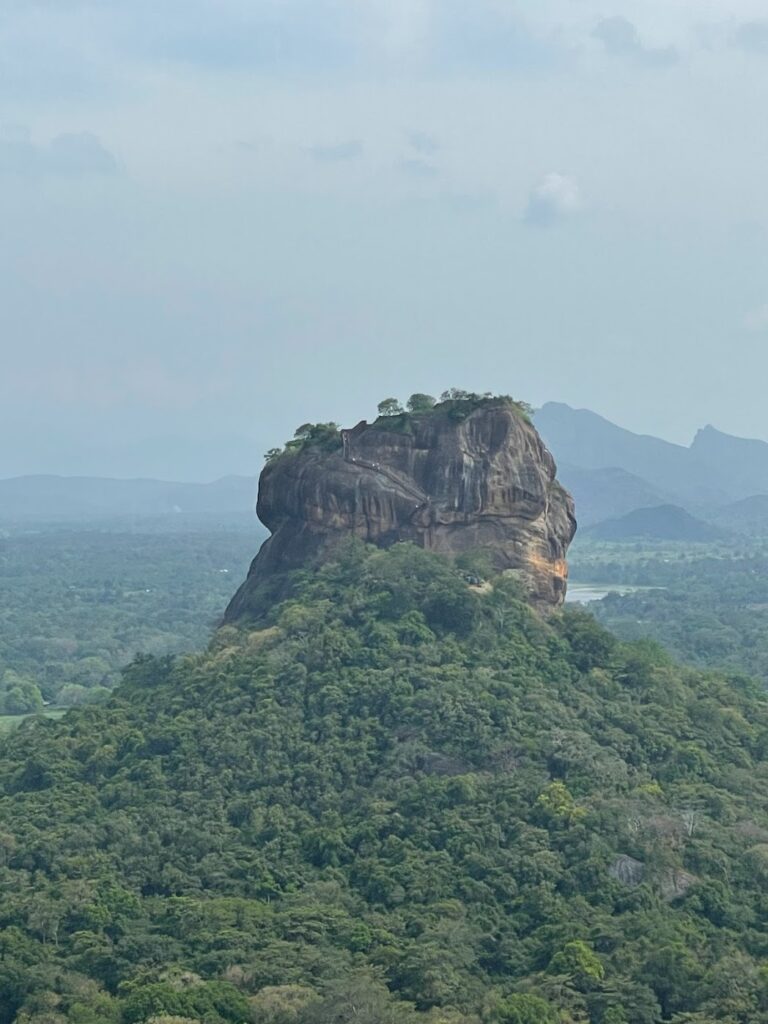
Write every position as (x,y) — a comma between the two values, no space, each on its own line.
(391,475)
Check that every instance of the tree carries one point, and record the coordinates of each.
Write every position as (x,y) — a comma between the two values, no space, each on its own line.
(73,694)
(281,1004)
(580,964)
(590,644)
(527,1009)
(457,395)
(19,695)
(165,1019)
(362,787)
(476,562)
(420,403)
(675,975)
(314,432)
(390,407)
(557,804)
(359,999)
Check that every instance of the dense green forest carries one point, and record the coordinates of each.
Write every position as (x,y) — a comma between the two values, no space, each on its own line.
(708,604)
(398,798)
(76,605)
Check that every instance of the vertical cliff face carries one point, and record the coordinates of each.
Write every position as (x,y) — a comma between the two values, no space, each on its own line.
(449,480)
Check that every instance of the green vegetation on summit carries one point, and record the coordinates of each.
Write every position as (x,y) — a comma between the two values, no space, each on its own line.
(394,416)
(402,798)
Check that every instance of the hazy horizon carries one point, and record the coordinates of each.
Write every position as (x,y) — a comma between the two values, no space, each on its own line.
(206,460)
(224,219)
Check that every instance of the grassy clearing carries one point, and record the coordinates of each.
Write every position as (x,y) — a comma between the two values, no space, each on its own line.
(8,722)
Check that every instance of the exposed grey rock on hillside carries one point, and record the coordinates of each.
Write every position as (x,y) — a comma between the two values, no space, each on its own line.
(449,480)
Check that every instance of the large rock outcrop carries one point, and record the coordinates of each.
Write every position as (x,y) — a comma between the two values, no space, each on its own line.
(449,480)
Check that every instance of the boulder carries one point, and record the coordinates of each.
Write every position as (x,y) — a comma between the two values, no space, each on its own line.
(450,480)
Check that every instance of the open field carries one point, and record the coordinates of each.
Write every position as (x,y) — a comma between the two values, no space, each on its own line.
(8,722)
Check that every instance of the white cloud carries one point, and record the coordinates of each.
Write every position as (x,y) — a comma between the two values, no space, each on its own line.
(555,197)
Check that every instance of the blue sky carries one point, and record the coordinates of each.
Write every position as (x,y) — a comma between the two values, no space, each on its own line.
(221,219)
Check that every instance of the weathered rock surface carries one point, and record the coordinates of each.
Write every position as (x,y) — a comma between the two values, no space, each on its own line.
(445,483)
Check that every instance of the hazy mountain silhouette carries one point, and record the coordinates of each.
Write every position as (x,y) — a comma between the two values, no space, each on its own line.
(750,515)
(607,493)
(741,462)
(610,470)
(61,498)
(665,522)
(163,457)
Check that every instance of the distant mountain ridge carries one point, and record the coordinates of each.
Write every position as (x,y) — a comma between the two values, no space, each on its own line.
(611,470)
(207,456)
(60,498)
(664,522)
(741,462)
(607,493)
(748,516)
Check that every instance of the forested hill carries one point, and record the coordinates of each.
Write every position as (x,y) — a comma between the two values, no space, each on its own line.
(401,799)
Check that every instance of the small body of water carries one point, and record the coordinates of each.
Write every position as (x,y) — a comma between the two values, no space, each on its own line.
(586,593)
